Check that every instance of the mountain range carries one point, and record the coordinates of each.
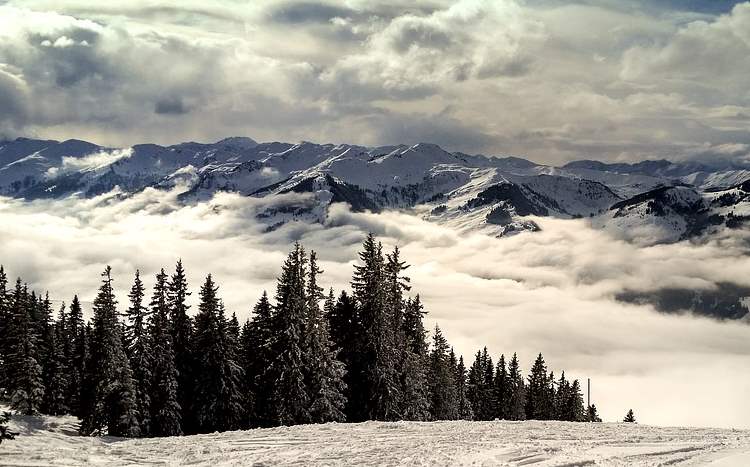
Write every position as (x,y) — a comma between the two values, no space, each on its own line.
(496,195)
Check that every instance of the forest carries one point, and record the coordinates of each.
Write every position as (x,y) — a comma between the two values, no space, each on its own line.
(153,367)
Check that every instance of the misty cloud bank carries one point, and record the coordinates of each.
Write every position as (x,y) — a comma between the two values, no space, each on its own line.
(551,291)
(550,80)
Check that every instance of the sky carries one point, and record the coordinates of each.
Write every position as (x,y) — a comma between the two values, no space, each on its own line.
(546,79)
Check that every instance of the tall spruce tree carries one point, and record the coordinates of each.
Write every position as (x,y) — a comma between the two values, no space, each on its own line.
(23,369)
(537,394)
(346,335)
(462,400)
(165,412)
(113,408)
(291,397)
(57,377)
(502,390)
(257,352)
(516,386)
(415,388)
(46,351)
(379,351)
(218,401)
(576,411)
(181,328)
(138,349)
(324,372)
(76,332)
(442,383)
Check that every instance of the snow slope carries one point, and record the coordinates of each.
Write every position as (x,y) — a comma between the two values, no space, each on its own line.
(52,441)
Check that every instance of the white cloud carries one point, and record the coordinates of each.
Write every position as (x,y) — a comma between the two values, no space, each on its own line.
(551,291)
(548,80)
(90,162)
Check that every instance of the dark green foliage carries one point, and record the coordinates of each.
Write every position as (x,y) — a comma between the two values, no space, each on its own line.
(218,403)
(481,390)
(112,408)
(164,408)
(592,414)
(538,401)
(502,391)
(76,336)
(463,405)
(181,328)
(25,385)
(255,353)
(346,332)
(517,390)
(324,372)
(379,351)
(441,380)
(291,397)
(415,389)
(138,350)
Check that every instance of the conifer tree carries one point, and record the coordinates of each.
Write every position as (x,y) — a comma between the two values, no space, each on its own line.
(113,407)
(441,380)
(575,411)
(257,354)
(502,390)
(562,399)
(245,358)
(46,351)
(415,388)
(139,352)
(346,335)
(537,394)
(233,335)
(379,351)
(629,417)
(24,372)
(76,332)
(291,397)
(165,412)
(181,328)
(488,396)
(58,375)
(462,401)
(218,402)
(517,398)
(592,414)
(324,372)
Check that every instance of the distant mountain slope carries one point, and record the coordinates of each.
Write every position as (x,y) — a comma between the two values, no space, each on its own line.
(497,195)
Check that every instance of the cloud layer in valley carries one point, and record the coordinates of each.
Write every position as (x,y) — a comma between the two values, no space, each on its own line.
(551,291)
(548,79)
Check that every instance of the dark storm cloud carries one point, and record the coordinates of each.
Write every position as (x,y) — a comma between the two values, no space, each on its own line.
(172,106)
(307,12)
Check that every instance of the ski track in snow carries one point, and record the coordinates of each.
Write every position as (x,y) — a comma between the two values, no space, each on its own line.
(53,441)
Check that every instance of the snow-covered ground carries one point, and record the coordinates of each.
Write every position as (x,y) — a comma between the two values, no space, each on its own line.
(53,441)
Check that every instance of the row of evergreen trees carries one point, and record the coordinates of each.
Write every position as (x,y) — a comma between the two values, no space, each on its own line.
(155,370)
